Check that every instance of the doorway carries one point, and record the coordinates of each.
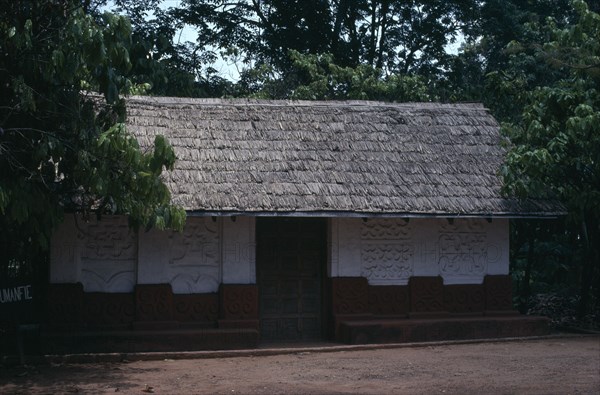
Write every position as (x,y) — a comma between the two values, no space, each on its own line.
(291,261)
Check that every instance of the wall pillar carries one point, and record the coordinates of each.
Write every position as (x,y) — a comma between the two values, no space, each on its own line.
(238,306)
(239,250)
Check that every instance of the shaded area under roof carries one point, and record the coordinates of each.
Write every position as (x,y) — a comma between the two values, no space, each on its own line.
(257,157)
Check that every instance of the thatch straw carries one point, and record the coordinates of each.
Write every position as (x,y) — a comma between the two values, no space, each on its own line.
(366,158)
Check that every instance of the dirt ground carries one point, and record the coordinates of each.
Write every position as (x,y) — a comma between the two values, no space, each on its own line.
(550,366)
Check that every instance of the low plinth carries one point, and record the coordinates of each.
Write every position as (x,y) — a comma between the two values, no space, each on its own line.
(147,340)
(403,330)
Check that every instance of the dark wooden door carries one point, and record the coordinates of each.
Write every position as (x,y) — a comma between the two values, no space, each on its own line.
(290,265)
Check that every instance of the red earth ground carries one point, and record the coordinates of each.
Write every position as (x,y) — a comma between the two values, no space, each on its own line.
(563,365)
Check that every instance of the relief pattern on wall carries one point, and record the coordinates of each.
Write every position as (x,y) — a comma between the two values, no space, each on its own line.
(194,257)
(387,251)
(463,248)
(108,255)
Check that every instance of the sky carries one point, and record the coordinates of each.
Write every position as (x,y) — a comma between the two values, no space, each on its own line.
(228,69)
(225,69)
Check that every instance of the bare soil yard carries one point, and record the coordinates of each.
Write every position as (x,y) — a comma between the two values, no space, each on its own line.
(568,365)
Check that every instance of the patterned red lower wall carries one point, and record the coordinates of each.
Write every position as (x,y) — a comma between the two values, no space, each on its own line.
(354,296)
(238,306)
(425,310)
(151,318)
(108,310)
(69,305)
(426,294)
(389,300)
(65,304)
(465,299)
(498,293)
(196,308)
(355,311)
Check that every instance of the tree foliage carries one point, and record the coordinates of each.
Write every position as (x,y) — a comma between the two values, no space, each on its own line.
(62,149)
(264,40)
(317,77)
(555,151)
(396,36)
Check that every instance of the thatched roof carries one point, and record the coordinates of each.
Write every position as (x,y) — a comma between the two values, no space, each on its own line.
(330,158)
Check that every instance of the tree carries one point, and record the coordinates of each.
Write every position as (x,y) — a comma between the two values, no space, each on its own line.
(555,148)
(62,149)
(483,63)
(317,77)
(395,36)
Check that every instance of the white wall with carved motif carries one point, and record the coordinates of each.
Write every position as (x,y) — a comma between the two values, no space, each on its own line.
(390,251)
(102,255)
(190,260)
(105,256)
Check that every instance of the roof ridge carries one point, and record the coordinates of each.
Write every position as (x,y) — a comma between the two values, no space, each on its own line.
(301,103)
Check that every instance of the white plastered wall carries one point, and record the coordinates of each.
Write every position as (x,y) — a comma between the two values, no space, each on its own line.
(190,260)
(102,255)
(106,256)
(390,251)
(239,250)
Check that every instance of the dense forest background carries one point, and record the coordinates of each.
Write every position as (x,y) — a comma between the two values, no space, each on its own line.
(535,64)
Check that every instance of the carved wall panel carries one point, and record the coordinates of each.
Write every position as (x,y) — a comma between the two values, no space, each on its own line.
(239,302)
(64,303)
(153,302)
(463,246)
(189,260)
(388,299)
(385,229)
(390,251)
(386,251)
(196,308)
(350,295)
(108,255)
(467,298)
(426,294)
(109,308)
(193,261)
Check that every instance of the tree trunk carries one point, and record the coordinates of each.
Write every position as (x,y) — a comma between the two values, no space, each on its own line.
(353,58)
(373,38)
(385,7)
(340,17)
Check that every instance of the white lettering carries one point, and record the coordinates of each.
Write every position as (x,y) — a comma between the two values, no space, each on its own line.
(28,292)
(16,294)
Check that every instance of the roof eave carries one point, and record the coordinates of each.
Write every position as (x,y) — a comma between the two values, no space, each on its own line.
(360,214)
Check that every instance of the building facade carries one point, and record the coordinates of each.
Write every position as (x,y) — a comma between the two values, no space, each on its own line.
(358,222)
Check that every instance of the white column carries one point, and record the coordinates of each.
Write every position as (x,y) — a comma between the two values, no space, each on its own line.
(65,253)
(345,247)
(239,250)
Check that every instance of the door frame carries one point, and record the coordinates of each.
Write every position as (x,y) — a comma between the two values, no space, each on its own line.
(323,224)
